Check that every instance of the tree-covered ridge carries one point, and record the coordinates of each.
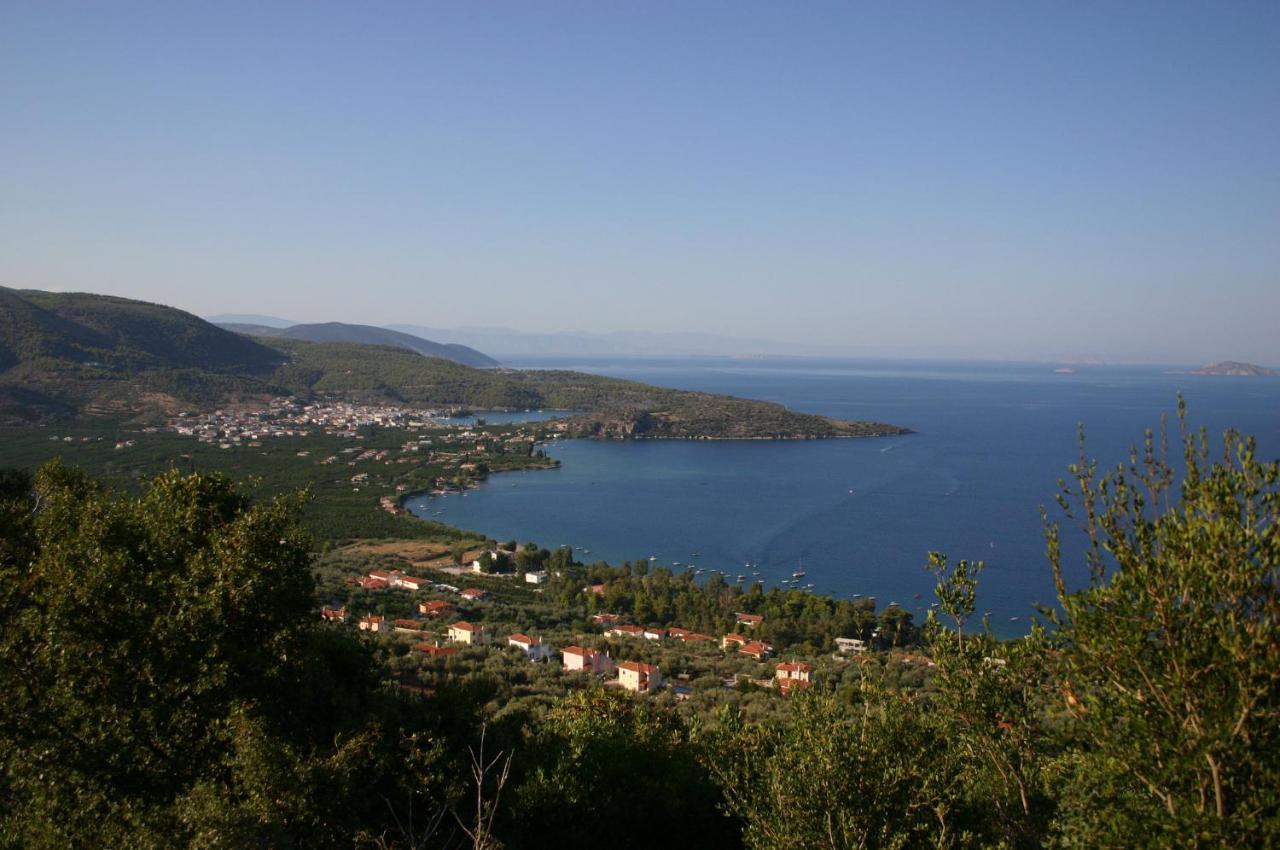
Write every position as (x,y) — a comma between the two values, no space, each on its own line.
(43,328)
(65,353)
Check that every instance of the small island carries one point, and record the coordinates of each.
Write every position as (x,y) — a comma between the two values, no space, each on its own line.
(1235,368)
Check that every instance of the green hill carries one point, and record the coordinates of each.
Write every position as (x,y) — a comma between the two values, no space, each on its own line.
(117,333)
(66,354)
(62,353)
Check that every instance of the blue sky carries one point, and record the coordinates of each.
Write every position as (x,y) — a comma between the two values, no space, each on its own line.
(1020,180)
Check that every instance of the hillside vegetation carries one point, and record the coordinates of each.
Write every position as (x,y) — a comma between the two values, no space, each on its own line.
(62,354)
(66,352)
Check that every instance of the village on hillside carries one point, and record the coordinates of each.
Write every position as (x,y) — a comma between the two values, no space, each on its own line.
(438,619)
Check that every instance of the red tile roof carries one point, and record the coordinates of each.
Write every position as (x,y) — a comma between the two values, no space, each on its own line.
(639,667)
(795,667)
(370,583)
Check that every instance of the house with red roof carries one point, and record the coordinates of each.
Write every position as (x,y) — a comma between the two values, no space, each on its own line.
(625,631)
(694,637)
(334,615)
(410,583)
(435,650)
(372,623)
(733,639)
(436,608)
(370,583)
(638,677)
(467,633)
(759,650)
(533,648)
(578,659)
(793,675)
(749,620)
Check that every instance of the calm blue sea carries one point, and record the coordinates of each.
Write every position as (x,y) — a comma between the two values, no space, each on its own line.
(991,442)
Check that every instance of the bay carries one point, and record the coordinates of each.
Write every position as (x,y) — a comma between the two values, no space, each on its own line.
(861,516)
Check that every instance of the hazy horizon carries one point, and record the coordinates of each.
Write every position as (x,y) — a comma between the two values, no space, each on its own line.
(1009,182)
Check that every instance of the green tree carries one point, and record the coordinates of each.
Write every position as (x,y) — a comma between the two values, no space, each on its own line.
(458,552)
(166,683)
(603,759)
(878,777)
(1170,656)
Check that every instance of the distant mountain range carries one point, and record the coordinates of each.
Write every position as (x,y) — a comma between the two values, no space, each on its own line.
(506,342)
(250,319)
(511,343)
(367,335)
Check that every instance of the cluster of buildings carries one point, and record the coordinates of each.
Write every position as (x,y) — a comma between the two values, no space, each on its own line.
(288,417)
(378,580)
(635,676)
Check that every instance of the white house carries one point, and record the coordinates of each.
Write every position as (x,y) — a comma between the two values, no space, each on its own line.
(533,648)
(539,577)
(851,645)
(793,674)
